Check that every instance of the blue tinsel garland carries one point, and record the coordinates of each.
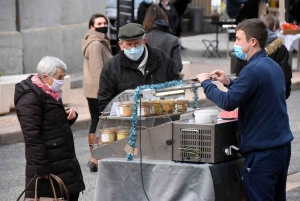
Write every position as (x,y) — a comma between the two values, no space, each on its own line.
(134,117)
(195,91)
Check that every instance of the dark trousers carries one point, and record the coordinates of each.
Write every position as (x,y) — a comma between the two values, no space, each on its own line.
(264,174)
(73,197)
(93,107)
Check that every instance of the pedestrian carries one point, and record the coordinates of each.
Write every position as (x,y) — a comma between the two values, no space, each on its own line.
(248,11)
(97,52)
(233,7)
(171,12)
(143,7)
(263,123)
(45,124)
(136,64)
(180,6)
(276,50)
(159,34)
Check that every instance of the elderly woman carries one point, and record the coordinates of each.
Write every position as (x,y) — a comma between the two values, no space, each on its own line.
(159,34)
(49,144)
(97,52)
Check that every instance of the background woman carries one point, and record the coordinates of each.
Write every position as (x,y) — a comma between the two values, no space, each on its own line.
(45,124)
(96,51)
(159,34)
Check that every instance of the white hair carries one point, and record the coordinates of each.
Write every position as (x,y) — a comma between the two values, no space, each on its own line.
(48,65)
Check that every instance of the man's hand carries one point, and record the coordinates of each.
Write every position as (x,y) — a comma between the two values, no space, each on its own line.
(71,113)
(220,76)
(203,76)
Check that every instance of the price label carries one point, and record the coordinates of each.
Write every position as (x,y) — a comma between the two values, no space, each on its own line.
(142,112)
(105,138)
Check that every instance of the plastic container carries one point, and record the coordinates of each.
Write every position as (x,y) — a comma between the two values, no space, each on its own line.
(122,133)
(126,109)
(206,116)
(145,110)
(156,107)
(108,136)
(182,105)
(168,105)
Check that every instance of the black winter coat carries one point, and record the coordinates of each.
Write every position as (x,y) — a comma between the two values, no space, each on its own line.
(278,52)
(119,74)
(143,7)
(161,38)
(49,144)
(173,18)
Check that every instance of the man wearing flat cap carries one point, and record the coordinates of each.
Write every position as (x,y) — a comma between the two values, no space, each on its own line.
(136,64)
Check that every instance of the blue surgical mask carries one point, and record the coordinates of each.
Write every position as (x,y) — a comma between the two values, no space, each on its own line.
(134,53)
(148,1)
(239,52)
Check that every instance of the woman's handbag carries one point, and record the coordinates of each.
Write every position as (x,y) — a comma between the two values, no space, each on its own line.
(61,185)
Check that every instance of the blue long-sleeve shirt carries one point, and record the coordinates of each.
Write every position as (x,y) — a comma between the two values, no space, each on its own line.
(259,92)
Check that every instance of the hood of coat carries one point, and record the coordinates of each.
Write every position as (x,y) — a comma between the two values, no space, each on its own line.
(273,46)
(271,37)
(26,86)
(161,25)
(92,36)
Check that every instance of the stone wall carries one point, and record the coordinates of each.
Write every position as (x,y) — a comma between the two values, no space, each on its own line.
(53,28)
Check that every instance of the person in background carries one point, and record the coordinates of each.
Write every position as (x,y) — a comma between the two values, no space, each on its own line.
(248,11)
(159,34)
(180,6)
(171,12)
(143,7)
(264,134)
(96,51)
(45,124)
(136,64)
(276,50)
(233,7)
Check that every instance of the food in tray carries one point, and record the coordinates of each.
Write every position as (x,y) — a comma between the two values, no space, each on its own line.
(108,135)
(156,107)
(168,105)
(145,109)
(228,114)
(123,133)
(126,109)
(182,105)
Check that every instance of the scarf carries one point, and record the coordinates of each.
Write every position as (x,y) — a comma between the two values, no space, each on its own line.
(37,81)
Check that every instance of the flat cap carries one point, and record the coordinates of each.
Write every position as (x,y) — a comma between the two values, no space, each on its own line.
(131,31)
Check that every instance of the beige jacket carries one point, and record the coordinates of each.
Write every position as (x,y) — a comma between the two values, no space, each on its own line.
(96,51)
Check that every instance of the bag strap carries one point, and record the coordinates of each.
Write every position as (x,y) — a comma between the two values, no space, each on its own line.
(25,188)
(36,189)
(61,185)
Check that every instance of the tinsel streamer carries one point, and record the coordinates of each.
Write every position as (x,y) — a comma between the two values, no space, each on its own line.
(195,91)
(134,117)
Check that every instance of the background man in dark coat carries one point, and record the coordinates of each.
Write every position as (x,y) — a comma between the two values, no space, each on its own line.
(143,7)
(136,64)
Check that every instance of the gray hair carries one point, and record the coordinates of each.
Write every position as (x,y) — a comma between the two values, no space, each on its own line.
(48,65)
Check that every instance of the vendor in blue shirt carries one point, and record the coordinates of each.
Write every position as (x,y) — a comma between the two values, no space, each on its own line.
(263,123)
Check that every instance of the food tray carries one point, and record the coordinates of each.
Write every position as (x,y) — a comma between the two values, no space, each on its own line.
(290,31)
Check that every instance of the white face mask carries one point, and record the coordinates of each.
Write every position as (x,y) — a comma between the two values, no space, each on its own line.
(57,84)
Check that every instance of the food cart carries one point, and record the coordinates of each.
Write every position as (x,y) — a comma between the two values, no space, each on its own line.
(168,136)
